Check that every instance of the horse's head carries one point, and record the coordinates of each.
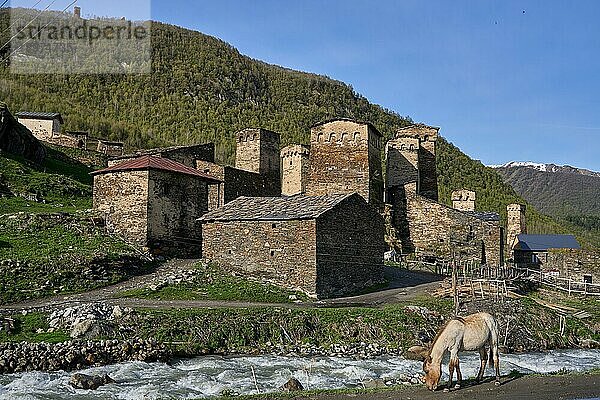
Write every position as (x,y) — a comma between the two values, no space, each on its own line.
(433,372)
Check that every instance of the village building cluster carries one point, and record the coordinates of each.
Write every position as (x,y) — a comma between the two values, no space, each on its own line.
(47,127)
(317,218)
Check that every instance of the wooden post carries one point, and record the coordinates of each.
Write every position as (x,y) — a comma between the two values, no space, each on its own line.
(455,287)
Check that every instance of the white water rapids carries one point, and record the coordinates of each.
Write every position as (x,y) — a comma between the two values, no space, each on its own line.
(209,376)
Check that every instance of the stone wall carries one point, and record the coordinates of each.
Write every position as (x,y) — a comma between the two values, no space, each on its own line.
(437,230)
(569,263)
(175,203)
(295,168)
(350,247)
(123,199)
(281,252)
(236,183)
(345,157)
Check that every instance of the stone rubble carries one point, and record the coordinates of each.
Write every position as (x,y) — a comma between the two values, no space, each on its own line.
(87,320)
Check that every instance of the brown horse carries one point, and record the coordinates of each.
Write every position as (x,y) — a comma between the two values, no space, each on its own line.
(469,333)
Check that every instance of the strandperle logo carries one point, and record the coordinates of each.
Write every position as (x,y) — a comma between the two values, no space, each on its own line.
(68,42)
(85,31)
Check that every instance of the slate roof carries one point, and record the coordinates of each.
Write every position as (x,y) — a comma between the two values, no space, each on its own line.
(545,242)
(39,115)
(485,216)
(275,208)
(156,163)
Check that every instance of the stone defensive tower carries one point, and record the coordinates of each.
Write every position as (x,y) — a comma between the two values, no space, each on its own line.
(515,224)
(345,157)
(258,151)
(402,167)
(427,136)
(463,200)
(294,166)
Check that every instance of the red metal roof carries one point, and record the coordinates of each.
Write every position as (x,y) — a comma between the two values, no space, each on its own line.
(158,163)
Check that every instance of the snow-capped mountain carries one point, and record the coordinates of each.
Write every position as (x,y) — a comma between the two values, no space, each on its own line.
(567,169)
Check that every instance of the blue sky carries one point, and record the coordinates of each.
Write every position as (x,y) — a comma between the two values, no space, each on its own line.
(505,80)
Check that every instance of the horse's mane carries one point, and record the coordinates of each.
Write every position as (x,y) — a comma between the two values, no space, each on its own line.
(439,333)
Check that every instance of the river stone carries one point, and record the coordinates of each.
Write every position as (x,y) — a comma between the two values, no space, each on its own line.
(87,382)
(81,328)
(374,384)
(293,385)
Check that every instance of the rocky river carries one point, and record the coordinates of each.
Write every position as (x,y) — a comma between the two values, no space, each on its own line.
(211,376)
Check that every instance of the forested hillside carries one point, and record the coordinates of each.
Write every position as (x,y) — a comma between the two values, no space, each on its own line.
(202,89)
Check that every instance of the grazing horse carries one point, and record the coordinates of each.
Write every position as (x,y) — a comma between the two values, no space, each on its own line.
(461,333)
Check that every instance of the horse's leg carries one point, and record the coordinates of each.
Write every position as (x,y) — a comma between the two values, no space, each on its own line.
(483,359)
(496,365)
(451,372)
(458,374)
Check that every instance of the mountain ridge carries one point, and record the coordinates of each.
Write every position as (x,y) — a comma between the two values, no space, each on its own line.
(547,167)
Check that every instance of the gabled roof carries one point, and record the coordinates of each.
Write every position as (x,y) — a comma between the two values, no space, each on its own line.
(546,242)
(39,115)
(276,208)
(156,163)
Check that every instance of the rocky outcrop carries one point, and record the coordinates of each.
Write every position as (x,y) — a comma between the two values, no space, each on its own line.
(88,320)
(293,385)
(16,139)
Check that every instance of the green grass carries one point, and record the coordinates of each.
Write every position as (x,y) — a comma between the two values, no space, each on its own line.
(26,327)
(63,183)
(212,283)
(45,254)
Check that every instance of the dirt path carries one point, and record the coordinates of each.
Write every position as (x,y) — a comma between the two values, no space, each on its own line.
(528,387)
(404,285)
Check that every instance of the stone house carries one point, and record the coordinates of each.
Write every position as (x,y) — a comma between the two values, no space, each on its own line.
(326,246)
(111,149)
(345,157)
(47,128)
(44,125)
(154,202)
(533,250)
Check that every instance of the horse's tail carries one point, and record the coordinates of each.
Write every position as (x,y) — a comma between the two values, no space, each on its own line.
(493,340)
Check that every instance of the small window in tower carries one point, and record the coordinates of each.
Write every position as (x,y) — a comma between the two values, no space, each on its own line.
(291,162)
(274,226)
(272,253)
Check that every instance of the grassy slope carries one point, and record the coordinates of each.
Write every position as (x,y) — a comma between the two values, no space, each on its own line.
(63,182)
(212,283)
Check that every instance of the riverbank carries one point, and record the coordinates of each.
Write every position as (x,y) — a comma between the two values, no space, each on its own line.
(547,387)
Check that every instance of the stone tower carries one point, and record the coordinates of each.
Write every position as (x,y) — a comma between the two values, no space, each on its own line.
(463,200)
(427,136)
(402,166)
(345,157)
(515,224)
(258,151)
(294,167)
